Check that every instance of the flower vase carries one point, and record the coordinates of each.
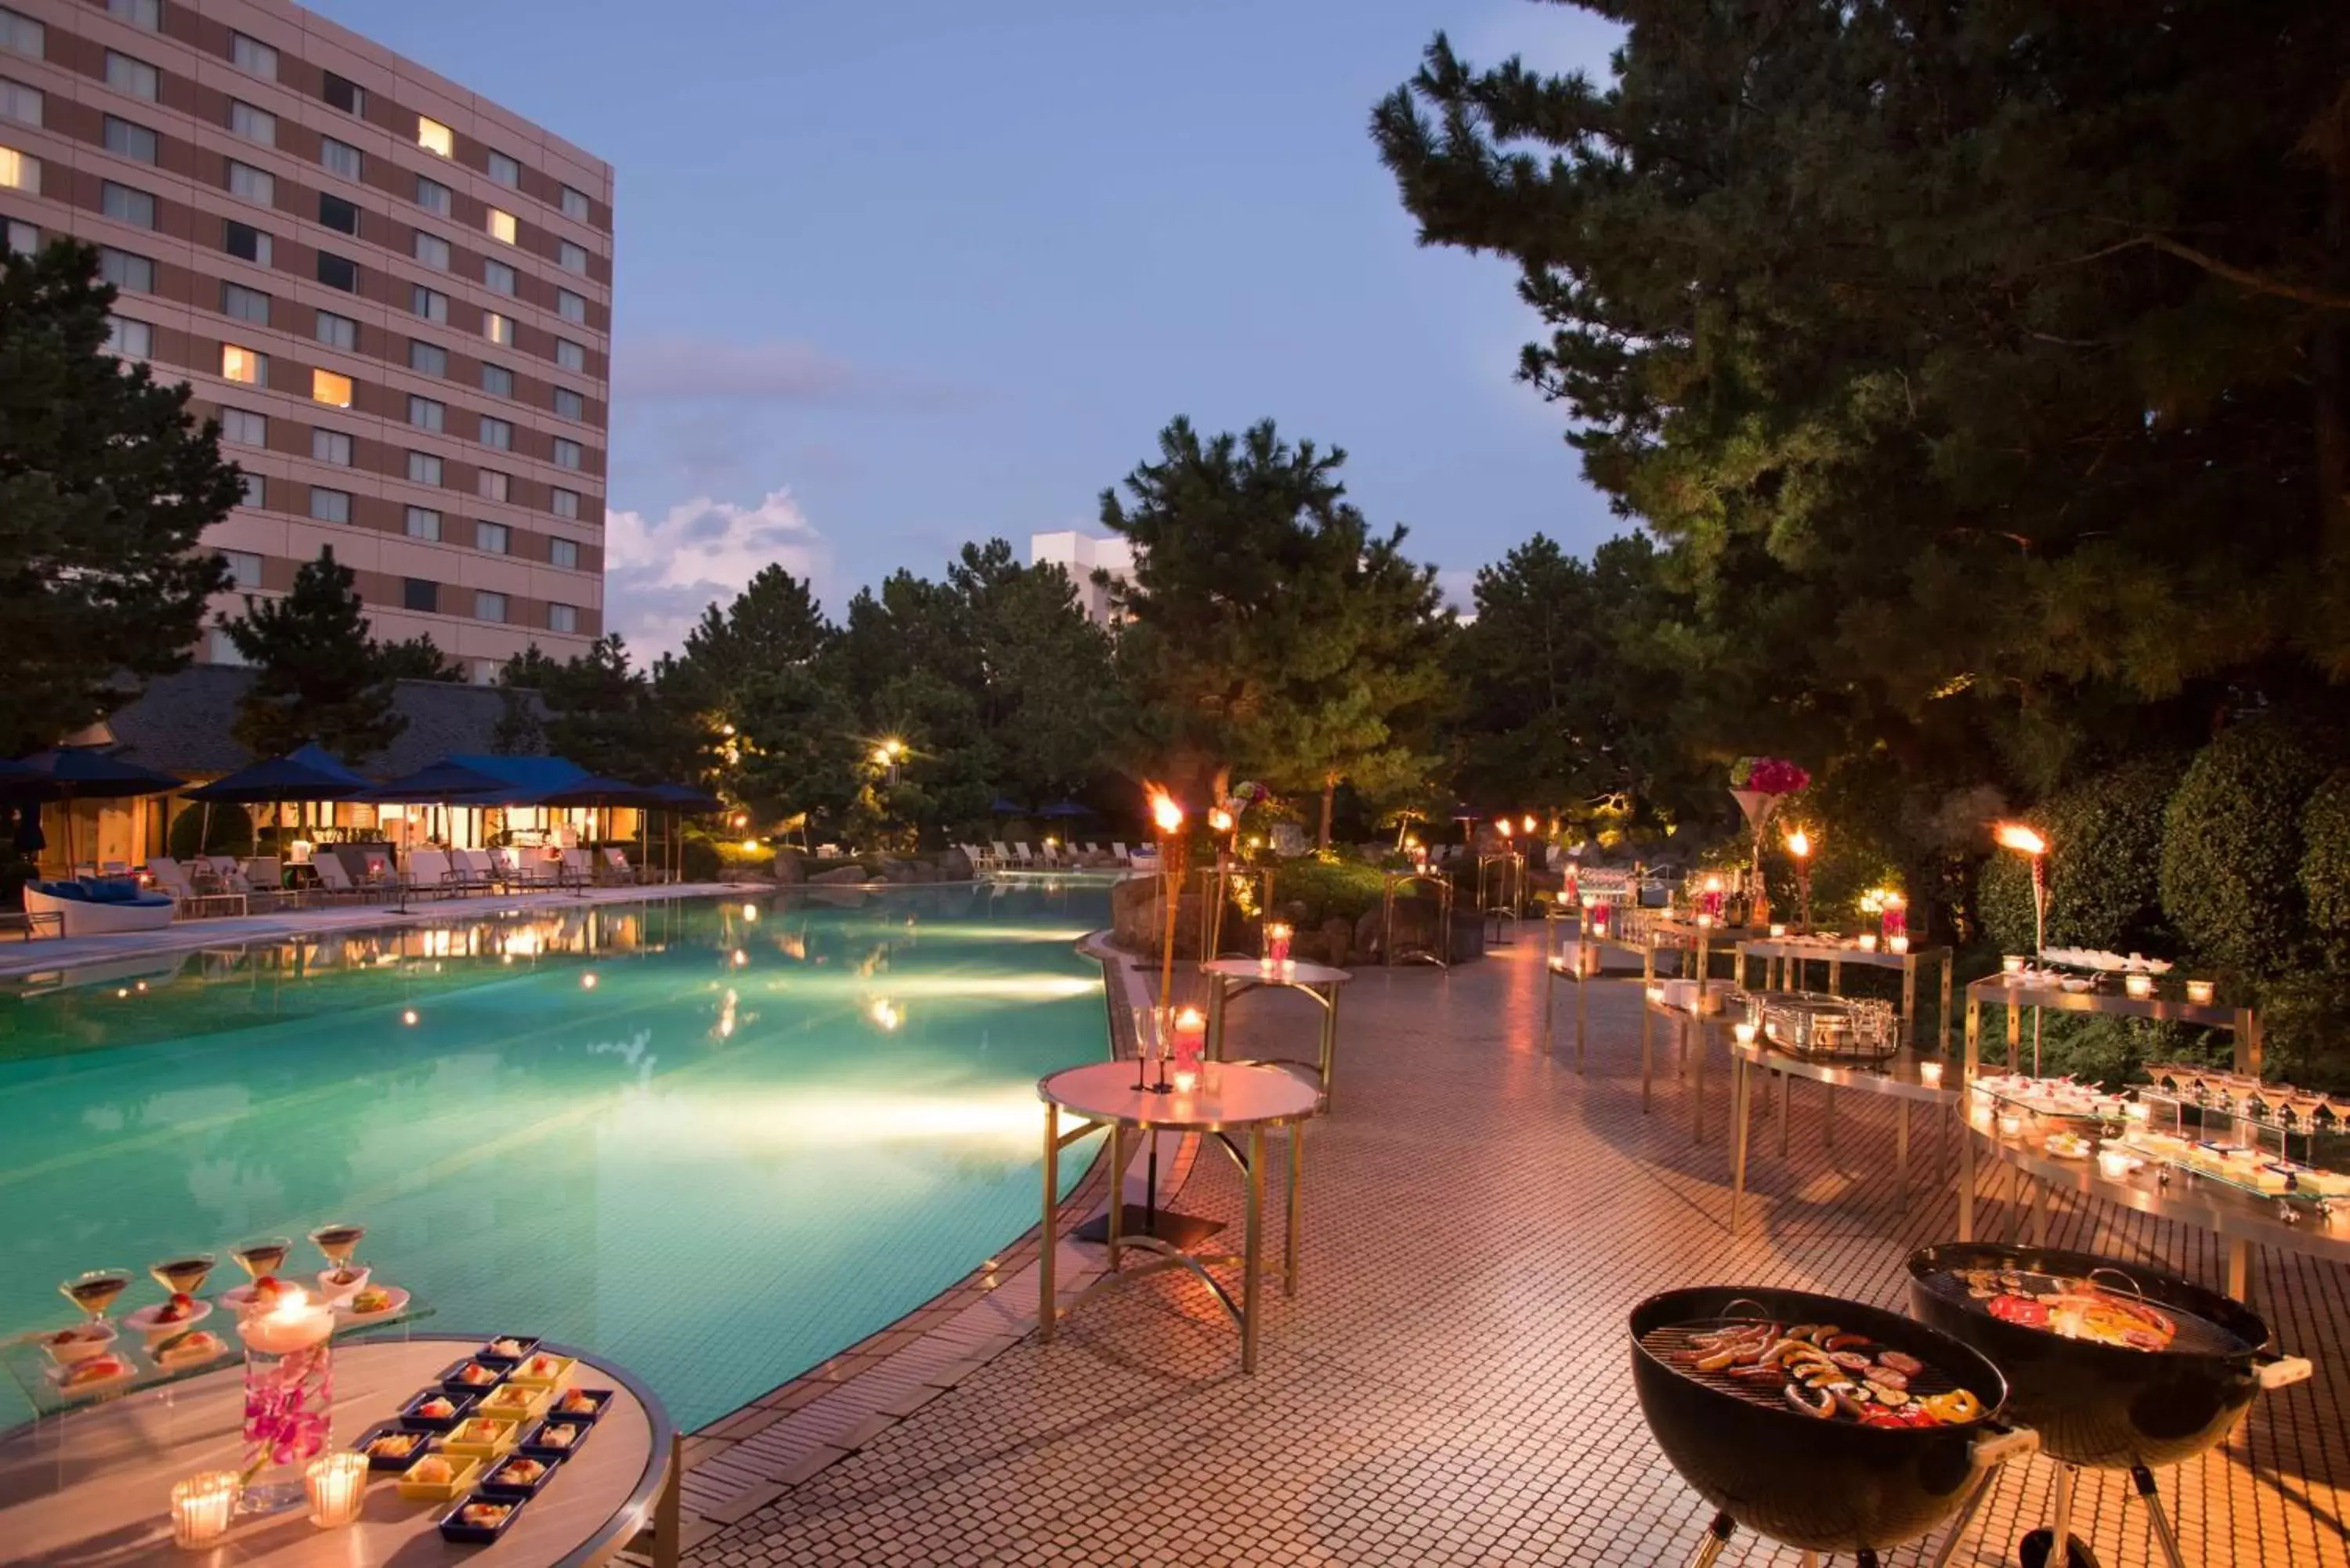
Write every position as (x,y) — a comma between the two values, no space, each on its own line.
(1757,808)
(288,1400)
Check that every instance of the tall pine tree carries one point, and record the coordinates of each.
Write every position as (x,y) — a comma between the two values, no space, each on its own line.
(316,674)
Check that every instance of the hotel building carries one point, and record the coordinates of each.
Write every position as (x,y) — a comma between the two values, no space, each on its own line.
(394,295)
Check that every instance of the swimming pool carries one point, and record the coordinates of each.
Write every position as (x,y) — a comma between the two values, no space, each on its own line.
(719,1140)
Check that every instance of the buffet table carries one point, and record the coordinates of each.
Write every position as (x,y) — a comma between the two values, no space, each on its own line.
(1582,967)
(93,1490)
(1394,884)
(1905,1078)
(1232,977)
(1231,1098)
(1785,958)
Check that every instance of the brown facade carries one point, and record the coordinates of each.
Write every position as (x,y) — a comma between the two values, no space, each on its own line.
(507,427)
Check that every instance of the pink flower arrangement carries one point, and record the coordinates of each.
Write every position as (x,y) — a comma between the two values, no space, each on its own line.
(1768,775)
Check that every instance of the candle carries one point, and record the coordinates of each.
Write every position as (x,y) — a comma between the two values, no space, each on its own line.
(2011,965)
(2113,1162)
(2138,1111)
(1703,919)
(2140,986)
(1931,1072)
(1744,1030)
(1867,940)
(1656,994)
(2011,1125)
(201,1506)
(1186,1080)
(1898,942)
(1277,935)
(295,1322)
(1777,930)
(338,1485)
(2199,992)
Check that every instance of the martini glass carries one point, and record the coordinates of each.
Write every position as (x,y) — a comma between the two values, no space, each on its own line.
(2273,1099)
(336,1243)
(96,1291)
(262,1257)
(182,1274)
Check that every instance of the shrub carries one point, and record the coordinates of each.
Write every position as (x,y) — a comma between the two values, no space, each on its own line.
(1315,890)
(1853,852)
(231,832)
(2231,847)
(2325,866)
(2105,836)
(697,860)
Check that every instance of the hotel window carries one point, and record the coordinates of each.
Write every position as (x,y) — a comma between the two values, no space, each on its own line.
(330,505)
(339,332)
(125,140)
(19,102)
(331,446)
(128,340)
(425,413)
(497,328)
(256,490)
(491,538)
(21,238)
(498,276)
(345,95)
(147,14)
(245,304)
(253,184)
(569,306)
(244,568)
(121,202)
(21,34)
(325,387)
(434,137)
(423,468)
(246,242)
(504,169)
(337,213)
(431,196)
(423,523)
(135,76)
(339,272)
(338,158)
(430,304)
(494,485)
(502,226)
(571,258)
(253,56)
(563,553)
(569,404)
(427,358)
(566,453)
(416,593)
(124,270)
(431,250)
(562,617)
(570,354)
(564,504)
(497,380)
(20,172)
(488,606)
(244,427)
(253,124)
(497,433)
(575,205)
(244,365)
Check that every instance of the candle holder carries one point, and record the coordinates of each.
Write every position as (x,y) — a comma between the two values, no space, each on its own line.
(1898,942)
(2199,993)
(1867,940)
(289,1395)
(2113,1163)
(337,1484)
(2139,986)
(1278,937)
(1778,931)
(1930,1074)
(202,1507)
(1190,1036)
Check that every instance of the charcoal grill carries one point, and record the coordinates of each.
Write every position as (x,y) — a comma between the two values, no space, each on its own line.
(2101,1405)
(1816,1485)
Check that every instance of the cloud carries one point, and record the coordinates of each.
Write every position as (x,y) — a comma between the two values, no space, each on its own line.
(659,572)
(678,367)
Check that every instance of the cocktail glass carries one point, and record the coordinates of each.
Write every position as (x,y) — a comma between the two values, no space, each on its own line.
(336,1243)
(262,1257)
(2273,1099)
(96,1291)
(182,1276)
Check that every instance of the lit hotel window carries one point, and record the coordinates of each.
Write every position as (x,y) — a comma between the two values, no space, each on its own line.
(502,226)
(325,387)
(434,137)
(244,365)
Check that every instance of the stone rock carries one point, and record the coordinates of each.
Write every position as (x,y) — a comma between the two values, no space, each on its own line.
(1337,939)
(791,868)
(1138,919)
(839,876)
(954,865)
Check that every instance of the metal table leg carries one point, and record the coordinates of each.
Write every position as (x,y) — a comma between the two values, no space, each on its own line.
(1252,1247)
(1740,1092)
(1296,1206)
(1215,1018)
(1329,1043)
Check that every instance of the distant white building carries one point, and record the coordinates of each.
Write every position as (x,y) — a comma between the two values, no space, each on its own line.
(1081,556)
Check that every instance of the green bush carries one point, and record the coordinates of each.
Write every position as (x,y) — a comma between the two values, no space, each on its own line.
(735,857)
(1853,852)
(2325,867)
(2302,1037)
(2113,1050)
(2231,847)
(231,832)
(697,860)
(2104,861)
(1314,891)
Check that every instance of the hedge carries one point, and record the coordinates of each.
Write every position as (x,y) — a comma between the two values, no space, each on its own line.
(2325,866)
(2231,847)
(230,833)
(2105,836)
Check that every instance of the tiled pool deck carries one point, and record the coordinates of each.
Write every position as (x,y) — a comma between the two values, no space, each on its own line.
(1452,1384)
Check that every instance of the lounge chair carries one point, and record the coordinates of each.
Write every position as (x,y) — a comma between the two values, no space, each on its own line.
(616,868)
(1118,853)
(1023,857)
(574,870)
(98,907)
(429,872)
(172,879)
(335,880)
(471,870)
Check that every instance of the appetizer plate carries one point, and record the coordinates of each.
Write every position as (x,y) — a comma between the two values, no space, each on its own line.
(395,1299)
(506,1349)
(519,1475)
(445,1477)
(480,1519)
(151,1320)
(333,1289)
(189,1347)
(515,1400)
(582,1404)
(471,1376)
(394,1455)
(543,1371)
(482,1436)
(557,1437)
(413,1416)
(67,1346)
(91,1377)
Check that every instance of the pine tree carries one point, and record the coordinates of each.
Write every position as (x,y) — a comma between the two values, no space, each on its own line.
(317,676)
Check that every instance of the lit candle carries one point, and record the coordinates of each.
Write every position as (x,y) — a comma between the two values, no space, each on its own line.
(1898,942)
(2011,965)
(2011,1125)
(1186,1080)
(2140,986)
(1931,1073)
(2138,1111)
(1656,994)
(1703,920)
(202,1507)
(1777,930)
(1744,1030)
(1867,940)
(2113,1162)
(338,1485)
(295,1322)
(1190,1031)
(2199,992)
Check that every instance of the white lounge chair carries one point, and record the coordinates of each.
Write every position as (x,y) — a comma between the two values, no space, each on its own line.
(428,872)
(335,880)
(472,870)
(1118,853)
(575,870)
(616,868)
(172,879)
(1024,856)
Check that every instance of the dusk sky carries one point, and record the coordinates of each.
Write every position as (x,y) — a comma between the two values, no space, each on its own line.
(892,277)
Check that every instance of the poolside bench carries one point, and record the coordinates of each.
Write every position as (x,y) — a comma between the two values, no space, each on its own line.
(32,922)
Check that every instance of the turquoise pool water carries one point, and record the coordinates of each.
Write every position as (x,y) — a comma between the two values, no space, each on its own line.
(718,1140)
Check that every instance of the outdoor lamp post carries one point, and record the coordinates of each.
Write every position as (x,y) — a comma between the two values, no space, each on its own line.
(1799,845)
(886,756)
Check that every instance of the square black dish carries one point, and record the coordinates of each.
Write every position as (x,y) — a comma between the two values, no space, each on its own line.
(506,1478)
(538,1441)
(561,1407)
(486,1375)
(411,1417)
(454,1526)
(397,1461)
(490,1355)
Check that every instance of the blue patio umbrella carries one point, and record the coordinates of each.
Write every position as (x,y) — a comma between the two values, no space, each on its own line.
(446,783)
(1004,807)
(311,772)
(68,774)
(1066,808)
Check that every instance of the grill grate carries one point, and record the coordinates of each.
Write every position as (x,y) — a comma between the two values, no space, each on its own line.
(1666,1342)
(2196,1336)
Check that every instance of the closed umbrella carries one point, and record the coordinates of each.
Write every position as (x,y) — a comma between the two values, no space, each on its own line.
(682,800)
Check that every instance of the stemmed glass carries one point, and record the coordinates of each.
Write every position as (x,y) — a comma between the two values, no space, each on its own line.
(336,1243)
(182,1276)
(1151,1043)
(263,1257)
(96,1291)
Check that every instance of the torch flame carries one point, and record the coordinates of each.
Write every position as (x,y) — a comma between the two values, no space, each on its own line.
(1219,819)
(1165,813)
(1505,828)
(1799,844)
(2015,835)
(1528,823)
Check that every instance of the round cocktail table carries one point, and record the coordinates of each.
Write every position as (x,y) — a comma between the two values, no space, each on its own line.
(94,1487)
(1232,977)
(1233,1098)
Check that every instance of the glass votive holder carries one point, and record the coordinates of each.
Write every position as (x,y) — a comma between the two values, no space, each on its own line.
(337,1484)
(1704,920)
(1777,930)
(1186,1080)
(2113,1163)
(1898,942)
(203,1505)
(1744,1030)
(1867,940)
(2010,1126)
(1930,1073)
(2199,993)
(2010,965)
(2139,986)
(2137,1111)
(1656,995)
